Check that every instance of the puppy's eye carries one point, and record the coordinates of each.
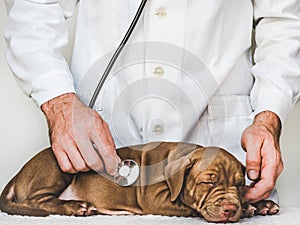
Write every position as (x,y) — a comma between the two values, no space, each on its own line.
(208,183)
(208,179)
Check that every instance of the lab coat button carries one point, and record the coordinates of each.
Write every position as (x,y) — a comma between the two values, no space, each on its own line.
(159,72)
(158,129)
(161,13)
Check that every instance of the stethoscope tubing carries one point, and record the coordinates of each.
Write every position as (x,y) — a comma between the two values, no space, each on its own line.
(117,53)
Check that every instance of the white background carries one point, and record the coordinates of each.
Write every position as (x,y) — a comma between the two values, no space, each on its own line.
(23,130)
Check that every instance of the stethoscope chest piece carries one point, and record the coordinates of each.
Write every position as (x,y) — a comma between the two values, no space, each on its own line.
(128,173)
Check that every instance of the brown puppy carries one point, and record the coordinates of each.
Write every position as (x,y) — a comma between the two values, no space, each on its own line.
(176,179)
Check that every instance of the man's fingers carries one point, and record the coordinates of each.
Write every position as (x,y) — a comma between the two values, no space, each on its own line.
(253,157)
(272,165)
(90,155)
(109,156)
(106,146)
(269,173)
(261,190)
(63,161)
(76,159)
(108,134)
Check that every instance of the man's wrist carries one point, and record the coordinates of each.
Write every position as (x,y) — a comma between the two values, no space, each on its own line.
(269,120)
(57,104)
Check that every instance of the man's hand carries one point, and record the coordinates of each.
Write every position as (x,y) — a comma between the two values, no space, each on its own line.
(80,138)
(263,159)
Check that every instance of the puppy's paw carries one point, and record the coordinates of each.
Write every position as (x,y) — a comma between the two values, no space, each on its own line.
(248,211)
(266,207)
(79,208)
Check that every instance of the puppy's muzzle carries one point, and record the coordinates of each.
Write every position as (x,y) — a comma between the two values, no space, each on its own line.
(222,207)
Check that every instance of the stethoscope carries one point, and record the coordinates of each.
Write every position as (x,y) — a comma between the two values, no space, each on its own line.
(128,169)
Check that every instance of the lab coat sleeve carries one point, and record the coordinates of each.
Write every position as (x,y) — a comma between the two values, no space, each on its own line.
(277,56)
(35,34)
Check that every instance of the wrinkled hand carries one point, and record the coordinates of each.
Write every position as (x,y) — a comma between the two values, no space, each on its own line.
(74,128)
(263,158)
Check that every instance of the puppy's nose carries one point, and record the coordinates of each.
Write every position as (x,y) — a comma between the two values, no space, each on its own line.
(229,210)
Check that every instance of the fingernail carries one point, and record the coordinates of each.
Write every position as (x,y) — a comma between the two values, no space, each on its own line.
(252,174)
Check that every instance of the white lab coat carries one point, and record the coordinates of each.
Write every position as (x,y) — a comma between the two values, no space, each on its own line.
(186,75)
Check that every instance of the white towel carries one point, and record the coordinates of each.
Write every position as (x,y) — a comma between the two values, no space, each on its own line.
(288,215)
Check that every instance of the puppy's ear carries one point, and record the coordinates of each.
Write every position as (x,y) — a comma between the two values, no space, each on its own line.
(174,175)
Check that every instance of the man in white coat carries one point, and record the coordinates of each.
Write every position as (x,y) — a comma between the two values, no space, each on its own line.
(186,75)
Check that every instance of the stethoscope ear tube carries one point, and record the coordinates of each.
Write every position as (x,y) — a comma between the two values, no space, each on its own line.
(128,171)
(117,53)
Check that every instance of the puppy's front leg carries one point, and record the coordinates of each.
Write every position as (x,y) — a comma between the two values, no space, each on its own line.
(36,188)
